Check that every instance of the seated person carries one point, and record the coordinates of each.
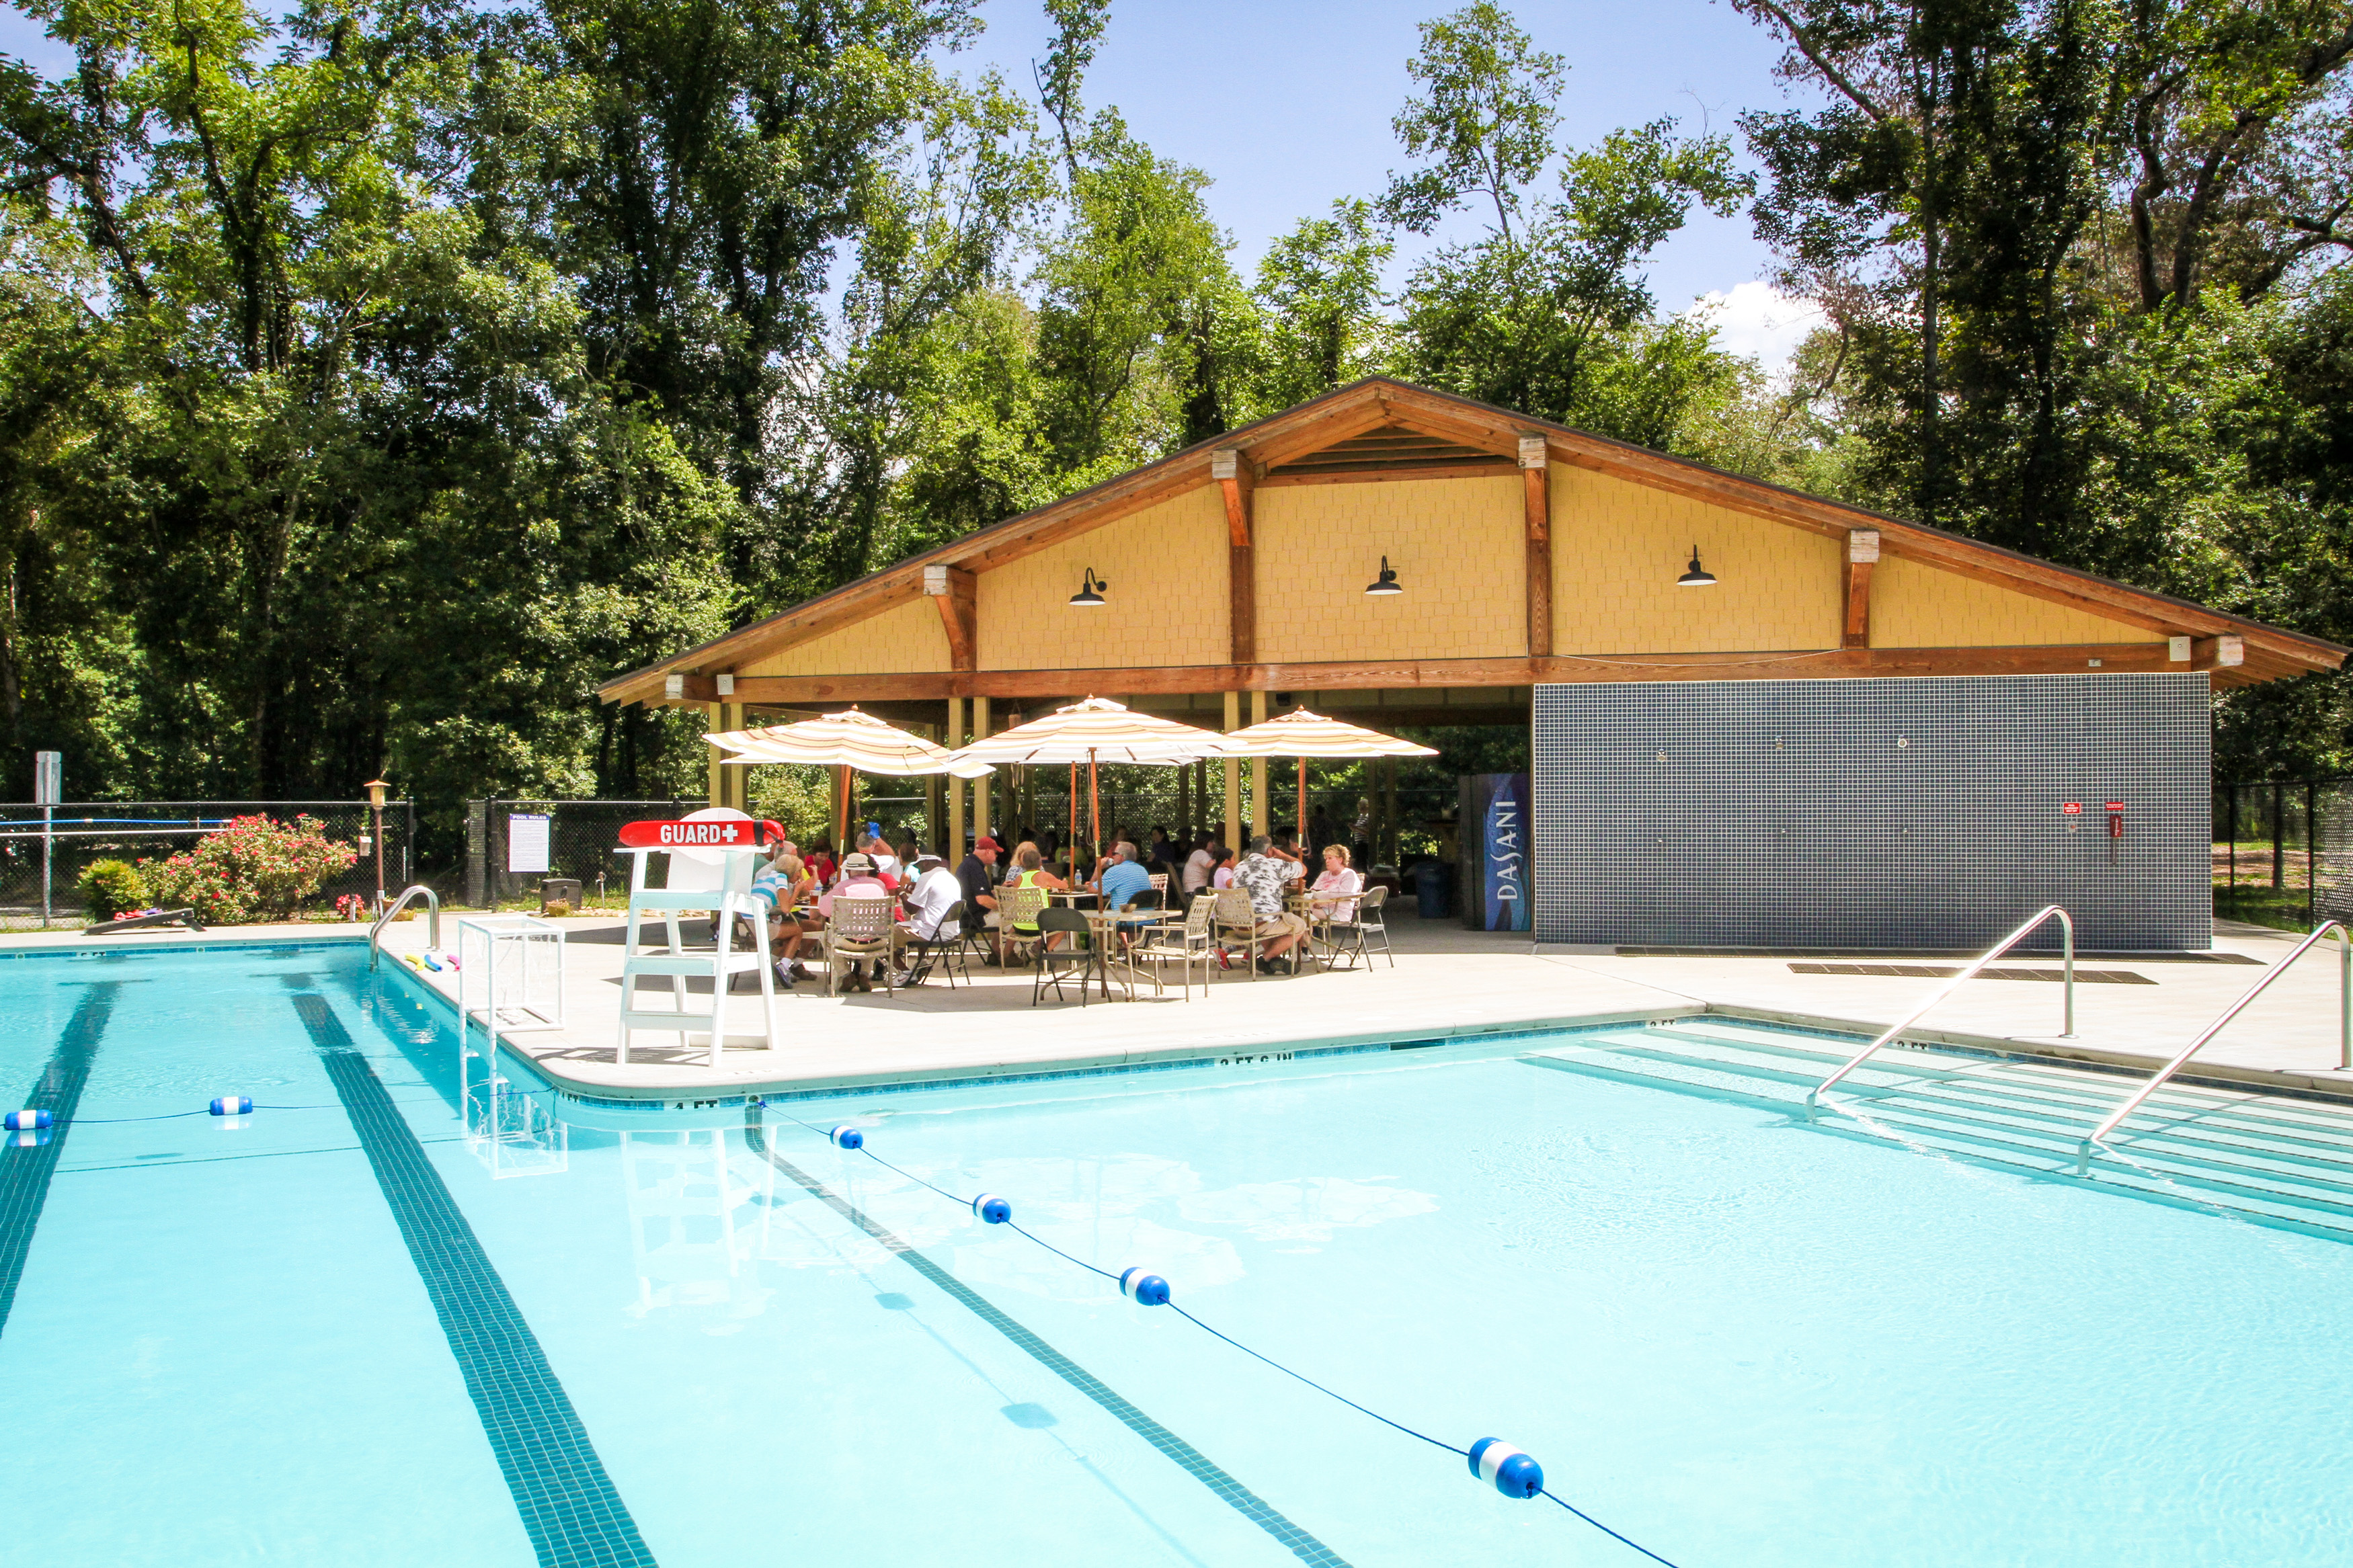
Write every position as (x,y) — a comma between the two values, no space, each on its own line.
(979,889)
(935,892)
(857,881)
(1123,877)
(1222,866)
(780,885)
(886,865)
(1334,893)
(1266,872)
(1200,864)
(1028,871)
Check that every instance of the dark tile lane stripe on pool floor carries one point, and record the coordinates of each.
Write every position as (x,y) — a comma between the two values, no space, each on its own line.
(25,1172)
(1191,1460)
(575,1517)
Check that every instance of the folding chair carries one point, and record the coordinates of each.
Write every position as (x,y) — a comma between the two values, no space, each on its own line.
(860,930)
(951,941)
(1338,937)
(1053,963)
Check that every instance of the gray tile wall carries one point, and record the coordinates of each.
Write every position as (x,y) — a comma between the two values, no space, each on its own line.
(1871,814)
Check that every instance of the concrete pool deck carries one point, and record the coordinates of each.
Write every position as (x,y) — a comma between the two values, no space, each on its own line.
(1447,981)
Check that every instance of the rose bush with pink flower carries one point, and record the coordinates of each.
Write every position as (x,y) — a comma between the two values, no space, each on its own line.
(256,869)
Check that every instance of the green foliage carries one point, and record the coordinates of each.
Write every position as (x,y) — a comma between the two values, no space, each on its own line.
(109,888)
(253,869)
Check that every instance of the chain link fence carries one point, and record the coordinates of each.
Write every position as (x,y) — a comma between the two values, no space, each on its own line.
(44,849)
(2284,852)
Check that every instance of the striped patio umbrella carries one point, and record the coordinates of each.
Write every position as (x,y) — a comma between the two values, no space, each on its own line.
(849,742)
(1302,734)
(1097,731)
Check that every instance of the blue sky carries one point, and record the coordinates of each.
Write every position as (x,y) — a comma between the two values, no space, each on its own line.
(1285,104)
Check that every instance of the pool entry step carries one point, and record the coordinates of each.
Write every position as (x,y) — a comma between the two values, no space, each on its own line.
(2265,1156)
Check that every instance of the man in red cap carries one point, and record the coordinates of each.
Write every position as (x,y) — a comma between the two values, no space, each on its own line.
(979,888)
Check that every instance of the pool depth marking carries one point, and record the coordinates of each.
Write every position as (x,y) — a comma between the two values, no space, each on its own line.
(573,1516)
(25,1172)
(1239,1498)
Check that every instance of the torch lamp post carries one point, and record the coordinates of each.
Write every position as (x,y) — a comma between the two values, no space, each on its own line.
(376,788)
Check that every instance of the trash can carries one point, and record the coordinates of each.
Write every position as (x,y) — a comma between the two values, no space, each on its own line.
(1432,890)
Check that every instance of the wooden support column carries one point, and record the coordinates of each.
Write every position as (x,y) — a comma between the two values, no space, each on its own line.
(1536,480)
(1261,812)
(1230,467)
(713,712)
(2218,652)
(980,785)
(1861,555)
(952,739)
(1232,769)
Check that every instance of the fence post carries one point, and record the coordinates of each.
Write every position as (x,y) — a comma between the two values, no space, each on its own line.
(49,836)
(2279,838)
(408,840)
(477,831)
(2311,841)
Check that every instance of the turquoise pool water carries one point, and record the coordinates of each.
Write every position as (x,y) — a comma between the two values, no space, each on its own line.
(382,1329)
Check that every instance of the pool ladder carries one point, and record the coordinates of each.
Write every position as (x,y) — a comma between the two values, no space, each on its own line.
(2066,1005)
(432,919)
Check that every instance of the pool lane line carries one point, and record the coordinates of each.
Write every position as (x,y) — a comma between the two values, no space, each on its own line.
(569,1507)
(25,1172)
(1191,1460)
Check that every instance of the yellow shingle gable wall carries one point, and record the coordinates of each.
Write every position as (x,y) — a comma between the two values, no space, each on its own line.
(1458,548)
(902,639)
(1617,548)
(1913,606)
(1167,603)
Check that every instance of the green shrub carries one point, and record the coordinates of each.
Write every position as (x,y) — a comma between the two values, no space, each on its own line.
(110,887)
(253,869)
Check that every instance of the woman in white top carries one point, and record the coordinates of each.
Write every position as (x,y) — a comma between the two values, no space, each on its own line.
(1334,898)
(1198,866)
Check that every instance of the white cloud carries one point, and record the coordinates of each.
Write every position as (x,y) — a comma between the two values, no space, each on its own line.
(1757,320)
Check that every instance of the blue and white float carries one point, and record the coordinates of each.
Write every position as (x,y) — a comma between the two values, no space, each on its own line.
(992,1209)
(1145,1290)
(847,1138)
(1504,1467)
(231,1105)
(28,1120)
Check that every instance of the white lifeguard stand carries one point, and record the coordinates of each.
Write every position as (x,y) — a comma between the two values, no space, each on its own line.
(716,877)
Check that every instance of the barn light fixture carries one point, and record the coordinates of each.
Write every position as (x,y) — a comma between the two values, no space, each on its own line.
(1090,591)
(1698,576)
(1386,583)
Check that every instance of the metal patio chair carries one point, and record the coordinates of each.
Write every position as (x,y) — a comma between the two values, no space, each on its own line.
(948,949)
(1053,963)
(1351,937)
(1169,943)
(1231,913)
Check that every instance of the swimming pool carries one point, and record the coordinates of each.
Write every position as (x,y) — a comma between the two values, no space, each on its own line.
(372,1329)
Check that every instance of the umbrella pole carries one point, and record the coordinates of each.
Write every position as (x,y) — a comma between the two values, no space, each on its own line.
(1094,803)
(1074,819)
(1299,815)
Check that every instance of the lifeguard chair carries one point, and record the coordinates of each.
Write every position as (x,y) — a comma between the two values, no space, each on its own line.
(712,855)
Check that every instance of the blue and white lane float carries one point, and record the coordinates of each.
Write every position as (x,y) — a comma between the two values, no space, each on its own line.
(29,1120)
(1512,1473)
(1504,1467)
(1145,1290)
(232,1105)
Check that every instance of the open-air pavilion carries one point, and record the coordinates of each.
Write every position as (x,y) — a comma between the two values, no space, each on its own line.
(1733,689)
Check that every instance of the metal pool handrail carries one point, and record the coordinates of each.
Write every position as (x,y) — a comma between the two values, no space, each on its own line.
(2344,1028)
(432,919)
(2067,1000)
